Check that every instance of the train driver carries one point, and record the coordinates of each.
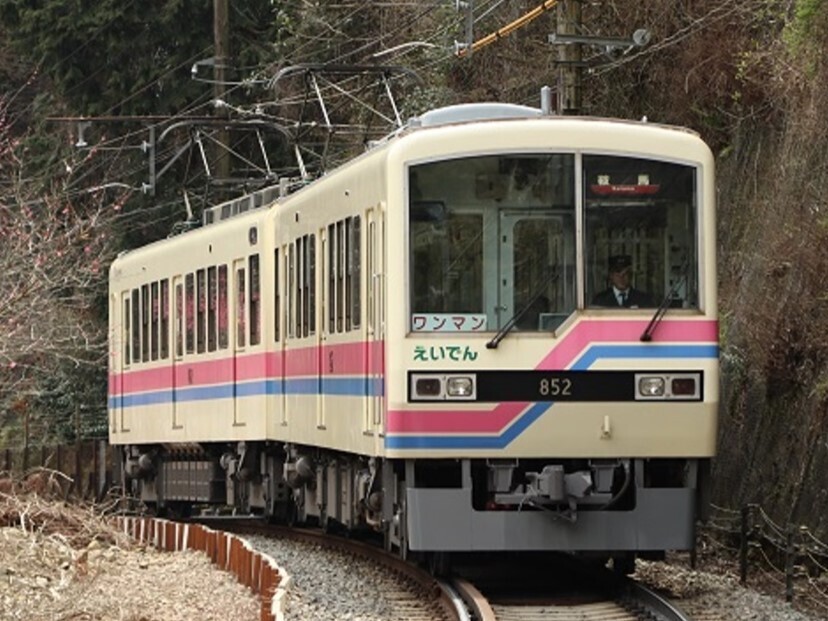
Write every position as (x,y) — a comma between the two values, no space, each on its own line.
(620,291)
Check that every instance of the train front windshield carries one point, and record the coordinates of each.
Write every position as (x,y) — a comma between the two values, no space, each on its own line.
(494,237)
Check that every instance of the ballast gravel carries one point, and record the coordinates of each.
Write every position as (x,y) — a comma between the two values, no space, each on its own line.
(59,562)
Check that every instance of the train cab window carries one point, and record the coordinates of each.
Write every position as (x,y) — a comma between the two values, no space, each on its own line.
(492,240)
(222,314)
(212,308)
(201,311)
(189,313)
(255,301)
(640,230)
(165,319)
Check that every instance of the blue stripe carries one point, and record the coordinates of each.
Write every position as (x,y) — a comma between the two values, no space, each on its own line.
(340,386)
(365,386)
(477,442)
(641,352)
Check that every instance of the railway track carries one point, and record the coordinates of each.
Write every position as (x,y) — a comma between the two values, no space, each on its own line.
(561,590)
(404,590)
(633,603)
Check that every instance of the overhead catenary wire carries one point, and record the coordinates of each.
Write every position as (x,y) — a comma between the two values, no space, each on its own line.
(508,28)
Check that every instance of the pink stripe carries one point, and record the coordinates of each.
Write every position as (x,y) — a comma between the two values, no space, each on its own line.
(588,332)
(303,361)
(453,421)
(344,359)
(563,355)
(348,359)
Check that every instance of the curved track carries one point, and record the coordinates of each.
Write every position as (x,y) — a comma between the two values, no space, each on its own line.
(557,589)
(637,603)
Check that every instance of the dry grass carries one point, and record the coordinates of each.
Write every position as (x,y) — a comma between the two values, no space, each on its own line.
(62,561)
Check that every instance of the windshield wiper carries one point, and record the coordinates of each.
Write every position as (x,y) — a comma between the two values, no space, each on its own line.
(647,335)
(507,327)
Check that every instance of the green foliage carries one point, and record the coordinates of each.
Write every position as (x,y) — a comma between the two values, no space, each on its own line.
(807,26)
(71,401)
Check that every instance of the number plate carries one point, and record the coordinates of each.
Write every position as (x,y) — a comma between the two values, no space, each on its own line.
(499,386)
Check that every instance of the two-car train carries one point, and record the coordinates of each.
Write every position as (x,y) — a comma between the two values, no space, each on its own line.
(411,344)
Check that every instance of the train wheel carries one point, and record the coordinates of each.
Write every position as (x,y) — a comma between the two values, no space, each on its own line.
(404,551)
(291,513)
(623,564)
(438,563)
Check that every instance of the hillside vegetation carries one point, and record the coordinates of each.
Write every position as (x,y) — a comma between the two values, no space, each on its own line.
(751,76)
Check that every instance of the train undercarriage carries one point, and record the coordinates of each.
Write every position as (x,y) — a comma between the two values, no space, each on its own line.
(602,508)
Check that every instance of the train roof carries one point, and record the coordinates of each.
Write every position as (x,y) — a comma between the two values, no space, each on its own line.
(445,117)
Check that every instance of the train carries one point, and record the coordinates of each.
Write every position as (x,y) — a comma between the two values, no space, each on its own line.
(415,344)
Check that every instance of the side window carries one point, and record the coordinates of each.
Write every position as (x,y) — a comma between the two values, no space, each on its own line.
(332,278)
(277,309)
(306,310)
(136,325)
(311,283)
(145,314)
(255,302)
(127,335)
(354,267)
(179,320)
(241,326)
(201,311)
(222,308)
(165,319)
(290,292)
(297,292)
(341,253)
(189,313)
(212,308)
(305,291)
(154,321)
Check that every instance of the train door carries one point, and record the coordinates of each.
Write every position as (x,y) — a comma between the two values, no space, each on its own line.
(375,320)
(282,316)
(324,332)
(240,307)
(537,268)
(121,364)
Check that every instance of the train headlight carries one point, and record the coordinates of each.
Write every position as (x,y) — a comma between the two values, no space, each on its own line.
(440,387)
(684,386)
(428,387)
(651,386)
(460,387)
(678,386)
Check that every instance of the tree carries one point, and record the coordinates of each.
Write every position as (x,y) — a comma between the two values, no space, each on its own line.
(57,244)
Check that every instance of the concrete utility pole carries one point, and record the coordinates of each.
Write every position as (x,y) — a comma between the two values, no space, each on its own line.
(221,39)
(569,59)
